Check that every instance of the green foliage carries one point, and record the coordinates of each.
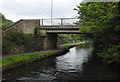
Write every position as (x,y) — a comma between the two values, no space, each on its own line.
(73,37)
(13,39)
(5,22)
(36,31)
(6,46)
(104,20)
(23,58)
(18,42)
(73,44)
(112,54)
(19,38)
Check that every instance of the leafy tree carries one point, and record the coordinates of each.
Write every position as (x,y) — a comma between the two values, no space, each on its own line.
(102,18)
(72,37)
(5,22)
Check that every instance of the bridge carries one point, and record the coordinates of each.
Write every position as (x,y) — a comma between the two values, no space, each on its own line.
(61,26)
(48,28)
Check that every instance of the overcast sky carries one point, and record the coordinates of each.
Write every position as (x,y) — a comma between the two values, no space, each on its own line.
(36,9)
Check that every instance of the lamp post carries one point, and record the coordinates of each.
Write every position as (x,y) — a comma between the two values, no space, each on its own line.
(51,12)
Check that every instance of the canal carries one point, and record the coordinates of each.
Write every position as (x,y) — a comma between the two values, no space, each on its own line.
(77,64)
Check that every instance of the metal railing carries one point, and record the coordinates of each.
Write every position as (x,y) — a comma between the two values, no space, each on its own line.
(58,21)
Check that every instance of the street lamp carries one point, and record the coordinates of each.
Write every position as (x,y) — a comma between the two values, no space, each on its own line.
(51,11)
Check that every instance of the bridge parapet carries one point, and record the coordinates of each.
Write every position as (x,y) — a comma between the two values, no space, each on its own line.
(58,22)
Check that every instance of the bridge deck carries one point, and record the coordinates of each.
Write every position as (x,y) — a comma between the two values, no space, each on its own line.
(63,27)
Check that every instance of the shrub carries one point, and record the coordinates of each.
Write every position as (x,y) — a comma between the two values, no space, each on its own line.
(15,39)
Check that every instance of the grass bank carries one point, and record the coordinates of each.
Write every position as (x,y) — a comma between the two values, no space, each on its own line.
(16,61)
(67,46)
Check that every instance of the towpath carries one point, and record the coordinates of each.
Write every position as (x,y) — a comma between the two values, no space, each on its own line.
(36,52)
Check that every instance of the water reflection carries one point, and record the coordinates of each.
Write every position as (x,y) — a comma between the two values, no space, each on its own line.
(73,60)
(66,67)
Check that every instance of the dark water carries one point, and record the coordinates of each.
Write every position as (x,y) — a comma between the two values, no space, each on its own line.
(71,66)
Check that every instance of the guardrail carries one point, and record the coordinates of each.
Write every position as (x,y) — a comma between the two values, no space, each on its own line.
(58,21)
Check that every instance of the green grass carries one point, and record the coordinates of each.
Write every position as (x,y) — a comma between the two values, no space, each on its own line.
(73,44)
(22,58)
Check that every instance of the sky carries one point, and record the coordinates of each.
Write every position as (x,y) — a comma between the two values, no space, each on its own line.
(38,9)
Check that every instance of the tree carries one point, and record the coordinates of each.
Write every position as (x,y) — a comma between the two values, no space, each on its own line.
(5,22)
(104,20)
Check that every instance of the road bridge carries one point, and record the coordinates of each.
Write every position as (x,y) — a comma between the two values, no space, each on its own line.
(48,29)
(61,26)
(58,26)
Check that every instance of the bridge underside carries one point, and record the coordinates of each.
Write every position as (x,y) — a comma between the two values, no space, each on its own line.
(67,29)
(51,33)
(50,41)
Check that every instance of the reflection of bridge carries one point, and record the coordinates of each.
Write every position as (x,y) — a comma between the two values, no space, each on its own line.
(48,29)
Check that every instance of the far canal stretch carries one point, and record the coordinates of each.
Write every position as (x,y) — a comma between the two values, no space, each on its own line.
(70,66)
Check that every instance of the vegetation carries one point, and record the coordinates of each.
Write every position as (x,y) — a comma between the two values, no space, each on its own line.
(73,44)
(36,31)
(104,20)
(5,22)
(73,37)
(24,59)
(18,42)
(13,40)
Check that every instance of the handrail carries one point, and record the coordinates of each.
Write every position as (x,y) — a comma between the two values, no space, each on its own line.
(57,18)
(58,21)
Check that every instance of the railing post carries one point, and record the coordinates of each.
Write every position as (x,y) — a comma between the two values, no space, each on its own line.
(39,22)
(61,21)
(42,22)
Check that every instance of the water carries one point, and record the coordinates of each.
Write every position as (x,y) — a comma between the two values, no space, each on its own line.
(70,66)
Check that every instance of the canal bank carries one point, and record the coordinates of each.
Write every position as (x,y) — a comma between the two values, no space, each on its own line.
(14,61)
(77,64)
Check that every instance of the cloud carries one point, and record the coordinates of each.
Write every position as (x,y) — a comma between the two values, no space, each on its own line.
(22,9)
